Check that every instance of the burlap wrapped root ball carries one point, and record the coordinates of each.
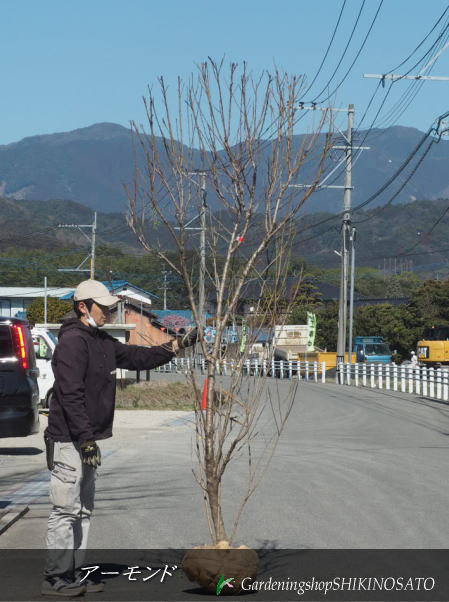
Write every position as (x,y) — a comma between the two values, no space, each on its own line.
(206,564)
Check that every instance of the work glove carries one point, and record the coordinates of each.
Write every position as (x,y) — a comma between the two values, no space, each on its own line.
(90,454)
(187,339)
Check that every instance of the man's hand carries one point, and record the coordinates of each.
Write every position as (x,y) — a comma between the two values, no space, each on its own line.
(90,453)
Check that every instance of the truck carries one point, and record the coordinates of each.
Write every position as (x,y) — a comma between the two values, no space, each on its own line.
(289,341)
(372,349)
(433,348)
(44,342)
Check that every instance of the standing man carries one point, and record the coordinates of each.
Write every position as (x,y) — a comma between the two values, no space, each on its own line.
(81,413)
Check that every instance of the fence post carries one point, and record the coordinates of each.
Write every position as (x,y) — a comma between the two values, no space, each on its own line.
(372,376)
(264,367)
(395,377)
(364,374)
(290,369)
(439,384)
(356,374)
(403,380)
(323,372)
(315,371)
(432,382)
(417,379)
(380,375)
(424,381)
(273,368)
(410,378)
(445,386)
(387,377)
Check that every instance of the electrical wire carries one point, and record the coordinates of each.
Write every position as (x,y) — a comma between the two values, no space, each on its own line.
(342,56)
(327,50)
(331,94)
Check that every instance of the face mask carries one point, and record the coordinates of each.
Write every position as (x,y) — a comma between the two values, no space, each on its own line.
(91,321)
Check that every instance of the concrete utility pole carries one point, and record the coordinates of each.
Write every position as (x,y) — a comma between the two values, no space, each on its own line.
(345,233)
(45,300)
(351,293)
(165,272)
(202,295)
(346,230)
(202,229)
(92,257)
(91,239)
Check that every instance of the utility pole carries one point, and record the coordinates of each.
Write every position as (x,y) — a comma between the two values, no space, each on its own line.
(346,230)
(91,239)
(165,272)
(45,301)
(345,235)
(351,293)
(202,229)
(202,296)
(92,258)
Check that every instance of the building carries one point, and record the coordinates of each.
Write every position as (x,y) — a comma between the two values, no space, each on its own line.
(14,300)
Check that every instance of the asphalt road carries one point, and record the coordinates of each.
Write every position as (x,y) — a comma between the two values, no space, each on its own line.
(354,469)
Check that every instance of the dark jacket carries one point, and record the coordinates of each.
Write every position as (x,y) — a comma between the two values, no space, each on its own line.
(85,363)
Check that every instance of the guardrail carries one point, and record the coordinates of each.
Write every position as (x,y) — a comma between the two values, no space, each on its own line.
(313,371)
(420,380)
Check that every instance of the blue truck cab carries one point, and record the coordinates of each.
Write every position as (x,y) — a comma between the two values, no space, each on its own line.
(372,350)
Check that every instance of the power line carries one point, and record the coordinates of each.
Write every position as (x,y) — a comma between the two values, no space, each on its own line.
(327,50)
(356,56)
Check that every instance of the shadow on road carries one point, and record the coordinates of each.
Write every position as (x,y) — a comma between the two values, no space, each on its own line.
(20,451)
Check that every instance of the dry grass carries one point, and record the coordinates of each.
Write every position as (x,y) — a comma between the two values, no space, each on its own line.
(156,395)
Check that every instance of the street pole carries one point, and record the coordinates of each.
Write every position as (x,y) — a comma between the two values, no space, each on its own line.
(92,257)
(45,300)
(345,230)
(91,239)
(202,250)
(202,229)
(351,294)
(348,148)
(165,289)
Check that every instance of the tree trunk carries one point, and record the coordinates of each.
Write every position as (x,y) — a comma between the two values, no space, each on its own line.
(213,495)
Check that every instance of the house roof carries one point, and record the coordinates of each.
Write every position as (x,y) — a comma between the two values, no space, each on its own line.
(34,291)
(122,287)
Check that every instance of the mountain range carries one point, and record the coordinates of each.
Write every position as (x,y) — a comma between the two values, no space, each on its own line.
(392,238)
(93,165)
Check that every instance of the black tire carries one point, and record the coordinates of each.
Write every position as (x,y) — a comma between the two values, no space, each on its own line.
(46,403)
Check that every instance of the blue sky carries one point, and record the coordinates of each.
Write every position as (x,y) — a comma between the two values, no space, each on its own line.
(66,65)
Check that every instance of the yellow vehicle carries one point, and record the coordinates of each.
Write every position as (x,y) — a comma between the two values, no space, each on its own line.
(433,349)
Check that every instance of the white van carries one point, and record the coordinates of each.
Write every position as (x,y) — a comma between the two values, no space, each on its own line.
(44,343)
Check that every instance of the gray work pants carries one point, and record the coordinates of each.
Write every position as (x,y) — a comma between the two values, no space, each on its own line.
(72,492)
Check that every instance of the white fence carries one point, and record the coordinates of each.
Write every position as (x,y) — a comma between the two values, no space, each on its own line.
(313,371)
(428,382)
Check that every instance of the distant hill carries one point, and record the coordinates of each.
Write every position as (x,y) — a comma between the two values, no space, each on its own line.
(93,164)
(394,237)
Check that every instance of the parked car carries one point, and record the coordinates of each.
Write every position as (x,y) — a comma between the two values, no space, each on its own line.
(44,342)
(19,393)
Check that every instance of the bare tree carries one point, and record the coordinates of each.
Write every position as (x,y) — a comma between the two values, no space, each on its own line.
(232,133)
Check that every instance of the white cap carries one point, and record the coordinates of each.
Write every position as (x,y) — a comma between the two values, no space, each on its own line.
(93,289)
